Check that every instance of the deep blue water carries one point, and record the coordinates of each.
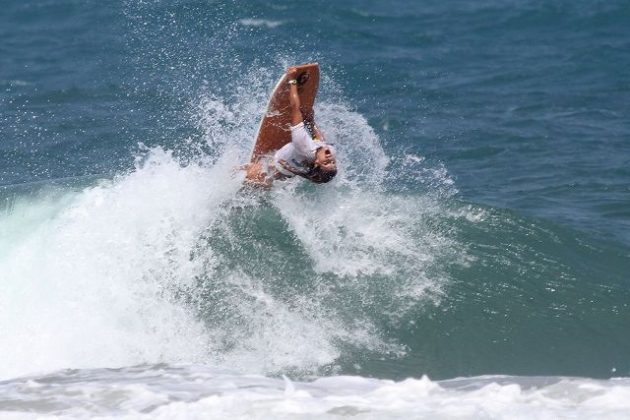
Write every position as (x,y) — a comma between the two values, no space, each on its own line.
(482,221)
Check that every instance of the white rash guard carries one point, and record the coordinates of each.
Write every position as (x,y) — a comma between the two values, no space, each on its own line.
(300,153)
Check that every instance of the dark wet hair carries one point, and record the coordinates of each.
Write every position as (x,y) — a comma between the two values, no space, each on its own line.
(319,175)
(316,174)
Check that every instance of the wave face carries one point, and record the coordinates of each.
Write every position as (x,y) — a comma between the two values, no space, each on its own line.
(478,226)
(173,262)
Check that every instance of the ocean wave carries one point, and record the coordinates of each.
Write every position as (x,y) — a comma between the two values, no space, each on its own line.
(190,391)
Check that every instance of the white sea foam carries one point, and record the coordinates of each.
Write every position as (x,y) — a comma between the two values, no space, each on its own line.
(270,24)
(89,286)
(190,391)
(149,267)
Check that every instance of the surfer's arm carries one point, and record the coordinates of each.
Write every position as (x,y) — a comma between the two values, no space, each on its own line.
(318,134)
(256,175)
(300,138)
(294,98)
(296,112)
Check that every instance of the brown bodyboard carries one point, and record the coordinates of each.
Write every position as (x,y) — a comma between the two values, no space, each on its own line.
(274,131)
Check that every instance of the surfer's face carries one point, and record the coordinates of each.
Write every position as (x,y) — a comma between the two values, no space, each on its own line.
(326,159)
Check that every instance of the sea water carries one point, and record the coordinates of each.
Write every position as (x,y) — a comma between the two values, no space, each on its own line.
(470,260)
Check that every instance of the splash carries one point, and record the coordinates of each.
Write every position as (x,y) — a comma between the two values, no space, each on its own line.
(172,262)
(88,286)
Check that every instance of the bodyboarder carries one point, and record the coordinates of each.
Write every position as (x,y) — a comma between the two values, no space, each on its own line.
(307,155)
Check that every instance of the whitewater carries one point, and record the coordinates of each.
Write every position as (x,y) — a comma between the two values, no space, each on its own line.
(170,291)
(174,262)
(198,392)
(470,259)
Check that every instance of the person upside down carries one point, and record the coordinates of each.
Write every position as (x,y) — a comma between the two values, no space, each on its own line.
(306,156)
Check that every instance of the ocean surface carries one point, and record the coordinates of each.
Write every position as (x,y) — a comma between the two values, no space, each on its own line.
(470,260)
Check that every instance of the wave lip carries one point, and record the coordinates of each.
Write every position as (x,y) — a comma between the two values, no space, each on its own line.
(90,281)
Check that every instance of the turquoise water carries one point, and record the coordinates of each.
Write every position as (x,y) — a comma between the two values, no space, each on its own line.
(480,224)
